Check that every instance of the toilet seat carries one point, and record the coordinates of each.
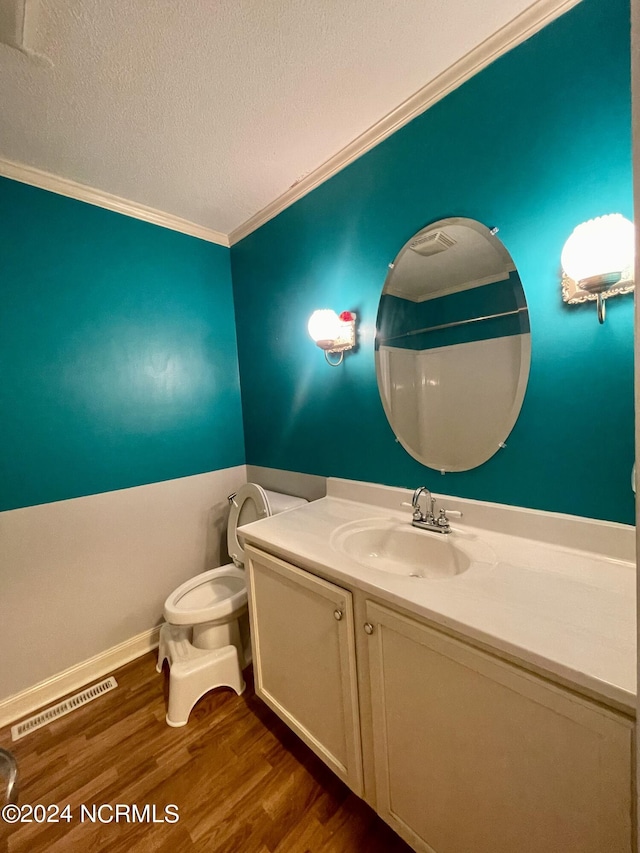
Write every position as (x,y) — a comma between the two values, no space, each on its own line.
(249,504)
(207,597)
(221,594)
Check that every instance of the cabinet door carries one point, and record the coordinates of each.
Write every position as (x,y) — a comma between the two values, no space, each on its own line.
(302,635)
(473,755)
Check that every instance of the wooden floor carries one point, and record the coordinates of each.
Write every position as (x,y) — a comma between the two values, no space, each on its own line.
(242,782)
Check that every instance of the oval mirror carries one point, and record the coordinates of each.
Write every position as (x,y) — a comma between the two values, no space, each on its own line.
(453,345)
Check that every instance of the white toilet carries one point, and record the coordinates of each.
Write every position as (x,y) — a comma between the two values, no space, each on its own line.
(206,636)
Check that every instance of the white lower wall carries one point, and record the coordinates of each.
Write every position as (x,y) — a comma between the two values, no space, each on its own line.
(78,577)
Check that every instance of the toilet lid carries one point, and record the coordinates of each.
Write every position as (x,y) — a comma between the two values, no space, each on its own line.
(250,504)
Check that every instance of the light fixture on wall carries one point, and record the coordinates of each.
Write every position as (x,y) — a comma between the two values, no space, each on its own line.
(333,333)
(597,261)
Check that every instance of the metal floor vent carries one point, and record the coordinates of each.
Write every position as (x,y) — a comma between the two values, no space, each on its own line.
(65,707)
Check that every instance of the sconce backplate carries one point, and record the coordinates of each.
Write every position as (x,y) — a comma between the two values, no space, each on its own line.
(573,294)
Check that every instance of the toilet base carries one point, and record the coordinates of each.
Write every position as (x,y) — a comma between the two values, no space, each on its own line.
(193,672)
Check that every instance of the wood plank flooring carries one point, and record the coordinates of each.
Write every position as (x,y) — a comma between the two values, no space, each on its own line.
(242,782)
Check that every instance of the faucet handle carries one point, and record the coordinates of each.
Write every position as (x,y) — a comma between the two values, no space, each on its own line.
(443,519)
(454,513)
(417,512)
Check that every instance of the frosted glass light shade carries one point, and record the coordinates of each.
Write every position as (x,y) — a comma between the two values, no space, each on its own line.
(324,326)
(599,247)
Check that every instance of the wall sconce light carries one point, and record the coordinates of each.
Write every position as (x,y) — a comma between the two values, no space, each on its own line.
(333,333)
(597,261)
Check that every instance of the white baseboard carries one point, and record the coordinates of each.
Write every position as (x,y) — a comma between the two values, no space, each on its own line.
(30,700)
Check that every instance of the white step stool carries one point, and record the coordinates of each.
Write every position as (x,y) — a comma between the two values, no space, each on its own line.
(193,672)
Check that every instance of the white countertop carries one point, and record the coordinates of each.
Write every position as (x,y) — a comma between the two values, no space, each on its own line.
(565,612)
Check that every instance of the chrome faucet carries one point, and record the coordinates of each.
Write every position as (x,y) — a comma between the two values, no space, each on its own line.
(418,515)
(427,520)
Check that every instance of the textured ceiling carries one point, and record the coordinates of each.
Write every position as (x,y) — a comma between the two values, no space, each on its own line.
(211,109)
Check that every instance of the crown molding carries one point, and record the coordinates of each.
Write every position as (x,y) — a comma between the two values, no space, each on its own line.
(63,186)
(522,27)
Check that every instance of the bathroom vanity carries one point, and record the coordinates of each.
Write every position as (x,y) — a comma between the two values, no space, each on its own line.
(476,688)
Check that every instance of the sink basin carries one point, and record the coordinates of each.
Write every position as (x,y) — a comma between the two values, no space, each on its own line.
(397,547)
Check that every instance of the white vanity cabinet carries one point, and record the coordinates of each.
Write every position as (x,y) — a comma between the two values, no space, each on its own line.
(302,633)
(470,753)
(474,755)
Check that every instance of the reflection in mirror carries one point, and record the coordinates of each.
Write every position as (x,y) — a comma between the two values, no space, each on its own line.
(453,345)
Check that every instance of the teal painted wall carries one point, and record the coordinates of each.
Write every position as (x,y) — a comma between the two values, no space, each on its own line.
(534,144)
(118,351)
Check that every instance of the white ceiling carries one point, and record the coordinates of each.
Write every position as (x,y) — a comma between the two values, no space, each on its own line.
(474,258)
(211,109)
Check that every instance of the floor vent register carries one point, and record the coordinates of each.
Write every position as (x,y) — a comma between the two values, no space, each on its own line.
(65,707)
